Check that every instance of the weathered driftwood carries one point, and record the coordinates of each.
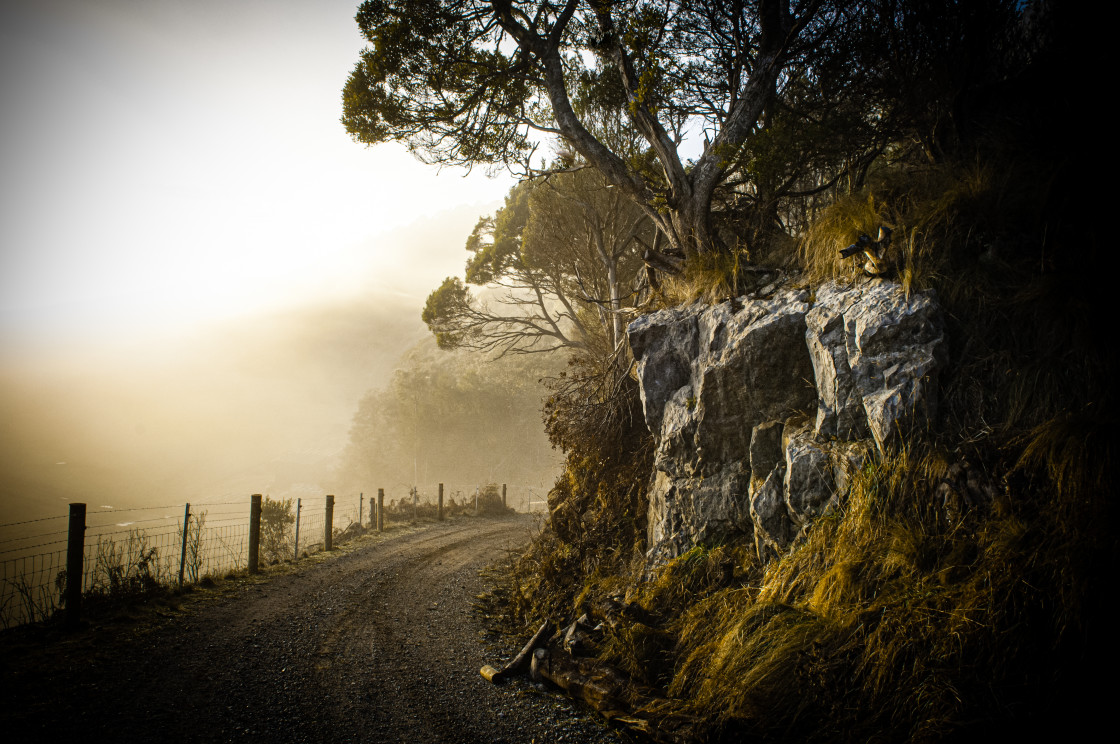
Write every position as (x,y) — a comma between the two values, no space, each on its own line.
(614,695)
(577,636)
(593,682)
(547,658)
(874,252)
(519,663)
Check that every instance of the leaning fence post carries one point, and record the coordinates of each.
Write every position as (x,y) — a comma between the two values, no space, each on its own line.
(254,532)
(299,508)
(75,552)
(439,509)
(381,510)
(183,547)
(328,537)
(503,495)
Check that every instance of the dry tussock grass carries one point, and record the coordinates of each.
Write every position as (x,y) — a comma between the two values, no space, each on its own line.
(894,621)
(904,616)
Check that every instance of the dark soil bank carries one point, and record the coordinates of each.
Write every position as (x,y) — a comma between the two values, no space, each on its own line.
(379,644)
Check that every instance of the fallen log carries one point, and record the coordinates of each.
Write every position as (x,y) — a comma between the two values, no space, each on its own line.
(519,663)
(610,692)
(614,695)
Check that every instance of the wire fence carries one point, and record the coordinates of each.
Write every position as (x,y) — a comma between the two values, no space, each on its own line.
(126,552)
(122,550)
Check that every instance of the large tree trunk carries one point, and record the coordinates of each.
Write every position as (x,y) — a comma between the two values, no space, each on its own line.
(686,218)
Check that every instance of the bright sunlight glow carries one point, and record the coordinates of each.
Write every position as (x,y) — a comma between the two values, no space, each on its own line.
(169,163)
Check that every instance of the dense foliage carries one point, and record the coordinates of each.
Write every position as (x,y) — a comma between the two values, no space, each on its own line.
(277,522)
(470,82)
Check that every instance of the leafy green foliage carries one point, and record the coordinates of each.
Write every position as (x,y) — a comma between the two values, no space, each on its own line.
(443,307)
(466,82)
(492,259)
(435,72)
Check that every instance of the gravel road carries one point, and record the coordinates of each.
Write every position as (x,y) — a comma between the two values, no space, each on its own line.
(379,644)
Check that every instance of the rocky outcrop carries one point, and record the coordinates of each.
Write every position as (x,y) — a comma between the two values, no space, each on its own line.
(874,351)
(763,407)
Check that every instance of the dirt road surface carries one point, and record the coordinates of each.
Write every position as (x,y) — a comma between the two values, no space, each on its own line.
(379,644)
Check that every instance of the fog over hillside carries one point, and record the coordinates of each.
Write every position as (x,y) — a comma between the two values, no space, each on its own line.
(249,406)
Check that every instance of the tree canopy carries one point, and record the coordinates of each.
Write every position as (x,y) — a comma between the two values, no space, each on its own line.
(474,82)
(560,261)
(790,98)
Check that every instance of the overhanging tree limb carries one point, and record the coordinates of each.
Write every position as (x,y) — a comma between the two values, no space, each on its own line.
(481,104)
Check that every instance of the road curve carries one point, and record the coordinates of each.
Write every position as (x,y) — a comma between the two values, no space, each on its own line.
(376,645)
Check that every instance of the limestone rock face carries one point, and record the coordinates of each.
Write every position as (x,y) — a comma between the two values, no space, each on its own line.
(773,529)
(875,353)
(730,392)
(809,485)
(709,375)
(664,345)
(766,449)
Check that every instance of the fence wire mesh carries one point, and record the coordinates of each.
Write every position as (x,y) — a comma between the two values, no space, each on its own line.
(131,550)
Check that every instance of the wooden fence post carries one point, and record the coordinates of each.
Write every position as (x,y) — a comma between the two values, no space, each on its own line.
(361,500)
(328,538)
(183,547)
(503,495)
(254,532)
(439,509)
(381,510)
(476,501)
(75,554)
(299,508)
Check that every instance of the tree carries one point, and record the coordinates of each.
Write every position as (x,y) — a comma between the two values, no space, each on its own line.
(564,252)
(455,417)
(473,81)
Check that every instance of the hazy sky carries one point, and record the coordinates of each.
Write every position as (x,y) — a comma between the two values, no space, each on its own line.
(200,273)
(166,162)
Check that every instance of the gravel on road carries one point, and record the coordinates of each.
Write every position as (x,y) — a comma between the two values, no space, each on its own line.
(379,643)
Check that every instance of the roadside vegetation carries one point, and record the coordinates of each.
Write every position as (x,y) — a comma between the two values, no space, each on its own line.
(135,573)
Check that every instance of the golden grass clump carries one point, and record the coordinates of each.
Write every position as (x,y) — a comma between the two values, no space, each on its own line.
(945,219)
(838,226)
(709,278)
(895,620)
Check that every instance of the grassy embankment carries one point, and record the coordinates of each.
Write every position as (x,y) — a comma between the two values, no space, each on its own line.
(961,587)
